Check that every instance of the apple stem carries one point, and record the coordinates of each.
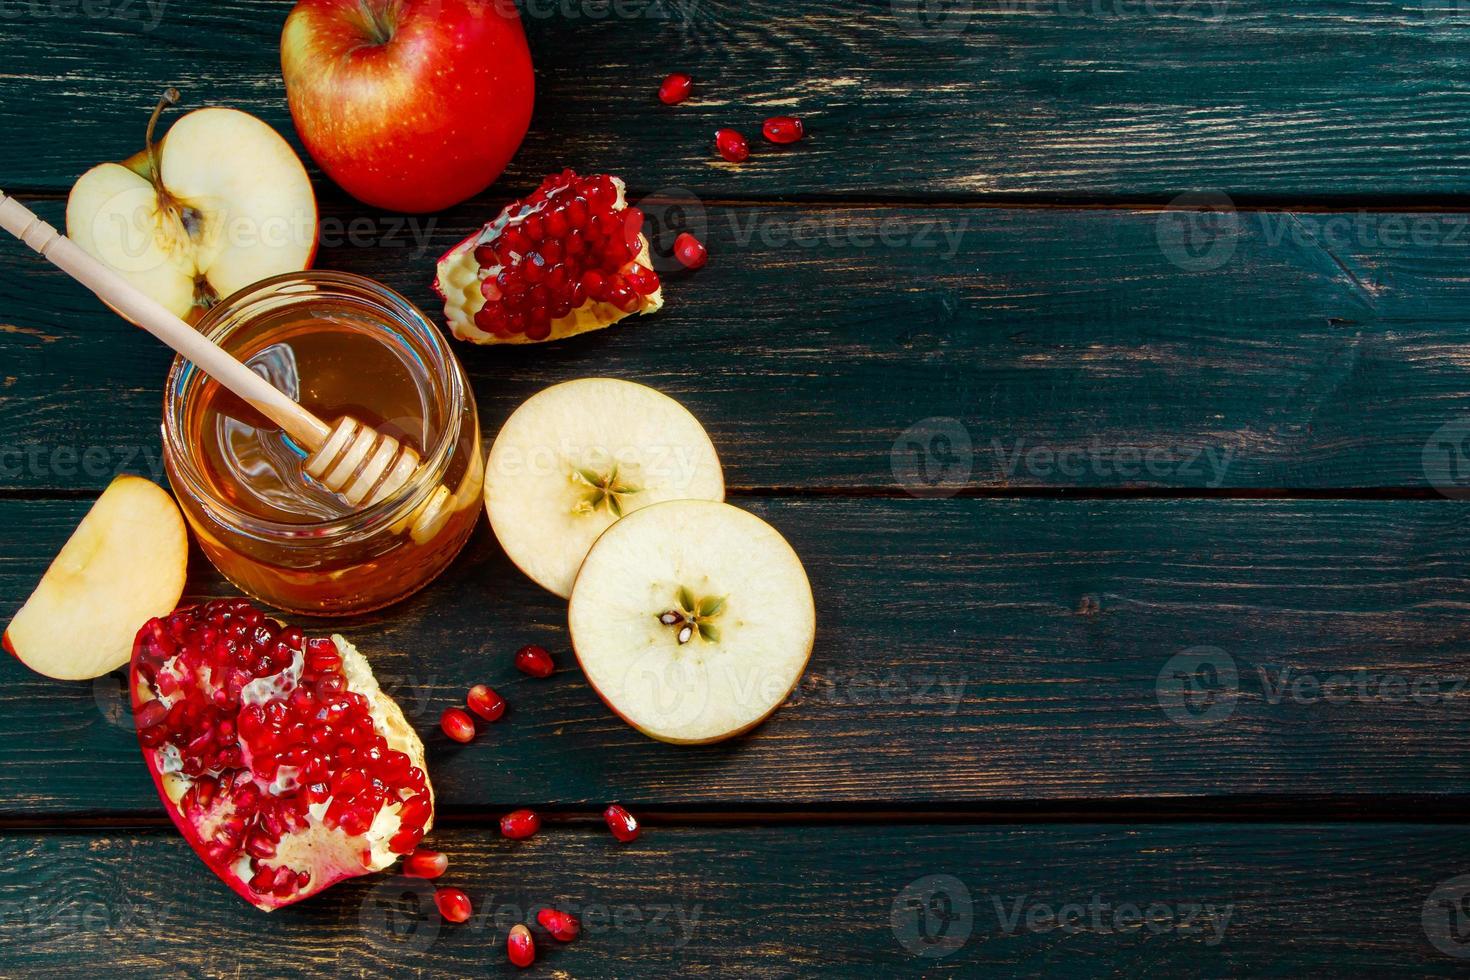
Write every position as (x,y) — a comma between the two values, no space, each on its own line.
(170,97)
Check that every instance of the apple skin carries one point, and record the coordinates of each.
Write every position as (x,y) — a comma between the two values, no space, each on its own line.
(409,105)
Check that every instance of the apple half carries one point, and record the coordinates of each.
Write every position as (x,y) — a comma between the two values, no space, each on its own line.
(693,620)
(578,456)
(220,204)
(123,565)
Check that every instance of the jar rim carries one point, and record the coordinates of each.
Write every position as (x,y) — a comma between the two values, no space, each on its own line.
(221,320)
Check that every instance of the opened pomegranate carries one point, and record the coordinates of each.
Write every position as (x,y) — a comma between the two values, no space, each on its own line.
(278,757)
(568,259)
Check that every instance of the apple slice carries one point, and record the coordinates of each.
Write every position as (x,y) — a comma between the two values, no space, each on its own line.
(220,204)
(123,565)
(693,620)
(577,456)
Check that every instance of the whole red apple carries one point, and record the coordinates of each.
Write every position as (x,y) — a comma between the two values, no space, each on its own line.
(411,105)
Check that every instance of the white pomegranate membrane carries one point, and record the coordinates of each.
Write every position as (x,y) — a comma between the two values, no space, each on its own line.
(569,258)
(278,757)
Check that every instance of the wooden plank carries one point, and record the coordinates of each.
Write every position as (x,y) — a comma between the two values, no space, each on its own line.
(974,99)
(970,653)
(1311,351)
(1181,899)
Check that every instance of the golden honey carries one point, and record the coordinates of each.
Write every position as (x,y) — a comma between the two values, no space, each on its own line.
(340,345)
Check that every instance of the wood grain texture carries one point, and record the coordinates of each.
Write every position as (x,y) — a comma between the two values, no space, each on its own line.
(969,653)
(1070,348)
(1222,900)
(977,98)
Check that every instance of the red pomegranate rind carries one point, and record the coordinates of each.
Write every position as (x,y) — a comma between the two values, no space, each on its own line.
(279,759)
(569,258)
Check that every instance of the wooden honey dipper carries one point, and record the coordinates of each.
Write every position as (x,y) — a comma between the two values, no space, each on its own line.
(349,458)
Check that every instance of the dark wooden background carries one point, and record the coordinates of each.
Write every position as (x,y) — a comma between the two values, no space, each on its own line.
(979,249)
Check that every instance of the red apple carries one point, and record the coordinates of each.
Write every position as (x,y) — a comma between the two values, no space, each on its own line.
(410,105)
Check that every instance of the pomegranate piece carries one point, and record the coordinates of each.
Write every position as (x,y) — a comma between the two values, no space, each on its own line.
(520,824)
(520,947)
(732,145)
(453,904)
(457,724)
(675,88)
(783,129)
(535,661)
(690,251)
(278,757)
(562,926)
(484,702)
(569,258)
(425,863)
(624,825)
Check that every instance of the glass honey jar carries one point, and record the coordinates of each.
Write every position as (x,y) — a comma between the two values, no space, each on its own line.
(340,345)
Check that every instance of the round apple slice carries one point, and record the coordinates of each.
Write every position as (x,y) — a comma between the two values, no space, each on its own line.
(576,457)
(693,620)
(123,565)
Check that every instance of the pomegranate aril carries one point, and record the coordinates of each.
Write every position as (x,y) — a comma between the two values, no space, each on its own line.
(520,824)
(732,145)
(534,660)
(483,701)
(150,714)
(562,926)
(624,825)
(520,948)
(675,88)
(690,251)
(453,904)
(783,129)
(425,864)
(457,724)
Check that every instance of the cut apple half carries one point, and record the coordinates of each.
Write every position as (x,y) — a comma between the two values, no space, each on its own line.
(576,457)
(123,565)
(693,620)
(221,203)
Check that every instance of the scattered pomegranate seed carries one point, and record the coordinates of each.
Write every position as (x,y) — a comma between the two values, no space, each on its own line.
(425,863)
(520,824)
(783,129)
(457,724)
(732,145)
(520,947)
(690,251)
(675,88)
(624,825)
(453,904)
(535,661)
(484,702)
(562,925)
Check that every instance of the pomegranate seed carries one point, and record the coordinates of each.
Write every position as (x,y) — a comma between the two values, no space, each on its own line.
(520,824)
(520,947)
(783,129)
(457,724)
(624,825)
(675,88)
(425,864)
(453,904)
(562,926)
(732,145)
(690,251)
(535,661)
(484,702)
